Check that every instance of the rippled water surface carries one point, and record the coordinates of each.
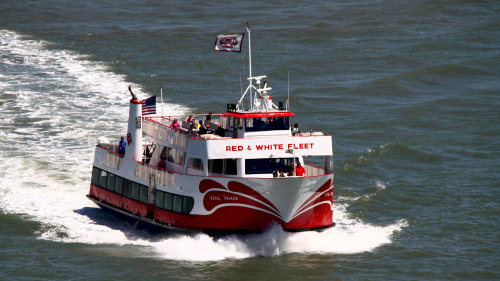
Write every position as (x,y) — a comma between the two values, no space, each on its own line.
(408,90)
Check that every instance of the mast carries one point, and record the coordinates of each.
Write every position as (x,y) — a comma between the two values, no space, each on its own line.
(250,65)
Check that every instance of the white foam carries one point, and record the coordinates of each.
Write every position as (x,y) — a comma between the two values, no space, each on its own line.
(55,104)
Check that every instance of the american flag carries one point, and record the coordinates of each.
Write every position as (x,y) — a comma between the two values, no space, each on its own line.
(149,106)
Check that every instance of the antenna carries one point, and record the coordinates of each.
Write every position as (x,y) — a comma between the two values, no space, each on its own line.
(288,98)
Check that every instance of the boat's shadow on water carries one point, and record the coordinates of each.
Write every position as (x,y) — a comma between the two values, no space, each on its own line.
(132,229)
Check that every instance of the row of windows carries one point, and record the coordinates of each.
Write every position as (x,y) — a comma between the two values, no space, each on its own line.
(120,185)
(267,165)
(168,201)
(260,123)
(173,202)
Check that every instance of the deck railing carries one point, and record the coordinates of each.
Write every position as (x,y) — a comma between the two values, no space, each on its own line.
(161,177)
(312,170)
(159,129)
(110,158)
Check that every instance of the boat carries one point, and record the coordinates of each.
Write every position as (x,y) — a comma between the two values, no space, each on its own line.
(256,172)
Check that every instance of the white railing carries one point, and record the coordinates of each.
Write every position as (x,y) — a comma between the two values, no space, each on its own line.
(313,170)
(163,132)
(162,177)
(108,158)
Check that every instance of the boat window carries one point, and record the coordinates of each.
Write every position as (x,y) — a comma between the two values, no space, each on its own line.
(111,182)
(118,185)
(103,178)
(135,191)
(215,166)
(195,163)
(267,165)
(95,176)
(167,205)
(267,123)
(159,199)
(143,194)
(187,205)
(127,188)
(177,206)
(230,167)
(179,157)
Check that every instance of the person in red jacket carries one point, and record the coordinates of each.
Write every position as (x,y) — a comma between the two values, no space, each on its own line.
(299,170)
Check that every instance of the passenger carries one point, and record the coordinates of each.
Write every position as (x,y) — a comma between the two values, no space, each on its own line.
(200,124)
(295,129)
(123,145)
(193,128)
(202,130)
(161,163)
(276,173)
(282,175)
(209,130)
(209,116)
(299,170)
(190,119)
(175,124)
(290,170)
(219,131)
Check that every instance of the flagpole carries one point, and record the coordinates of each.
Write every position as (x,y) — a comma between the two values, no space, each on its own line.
(161,97)
(250,63)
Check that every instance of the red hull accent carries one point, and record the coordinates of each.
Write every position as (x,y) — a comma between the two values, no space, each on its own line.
(246,219)
(121,202)
(231,218)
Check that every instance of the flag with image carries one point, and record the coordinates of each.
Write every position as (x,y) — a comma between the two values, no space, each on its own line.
(229,43)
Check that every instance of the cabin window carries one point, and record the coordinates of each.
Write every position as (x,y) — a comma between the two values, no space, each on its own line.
(167,205)
(267,165)
(267,123)
(177,207)
(179,157)
(159,199)
(215,166)
(118,185)
(135,191)
(95,176)
(143,194)
(127,188)
(174,155)
(111,182)
(103,176)
(230,167)
(187,205)
(195,163)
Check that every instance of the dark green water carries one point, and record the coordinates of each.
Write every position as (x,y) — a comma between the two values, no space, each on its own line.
(409,91)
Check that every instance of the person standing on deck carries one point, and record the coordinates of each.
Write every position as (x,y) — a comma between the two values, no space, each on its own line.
(123,145)
(299,170)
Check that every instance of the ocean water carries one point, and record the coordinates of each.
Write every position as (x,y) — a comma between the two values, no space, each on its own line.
(409,90)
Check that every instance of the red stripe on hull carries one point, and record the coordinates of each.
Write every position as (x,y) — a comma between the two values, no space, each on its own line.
(106,196)
(121,202)
(317,217)
(243,218)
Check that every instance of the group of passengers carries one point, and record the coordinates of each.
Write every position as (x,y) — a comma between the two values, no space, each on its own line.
(200,128)
(299,171)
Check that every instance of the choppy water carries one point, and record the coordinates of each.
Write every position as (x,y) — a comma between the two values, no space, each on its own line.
(409,90)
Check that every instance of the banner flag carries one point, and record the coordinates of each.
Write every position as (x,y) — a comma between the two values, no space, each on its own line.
(229,43)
